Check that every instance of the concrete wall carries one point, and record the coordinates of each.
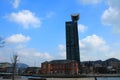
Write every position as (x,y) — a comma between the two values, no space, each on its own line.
(15,79)
(70,79)
(54,79)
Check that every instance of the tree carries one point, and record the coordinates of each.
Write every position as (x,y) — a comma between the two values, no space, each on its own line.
(14,61)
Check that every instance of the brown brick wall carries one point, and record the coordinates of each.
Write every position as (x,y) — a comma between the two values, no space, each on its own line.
(59,68)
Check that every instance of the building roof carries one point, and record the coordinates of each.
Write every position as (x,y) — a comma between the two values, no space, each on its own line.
(60,61)
(4,64)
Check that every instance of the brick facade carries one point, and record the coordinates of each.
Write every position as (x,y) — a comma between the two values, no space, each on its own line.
(59,67)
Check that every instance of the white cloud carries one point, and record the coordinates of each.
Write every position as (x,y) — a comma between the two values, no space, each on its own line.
(26,55)
(17,38)
(43,55)
(20,46)
(30,55)
(88,58)
(90,1)
(93,43)
(25,18)
(114,54)
(16,3)
(62,51)
(111,16)
(114,3)
(61,47)
(82,28)
(50,14)
(91,47)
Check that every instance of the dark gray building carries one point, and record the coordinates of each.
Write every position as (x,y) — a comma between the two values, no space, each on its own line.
(72,40)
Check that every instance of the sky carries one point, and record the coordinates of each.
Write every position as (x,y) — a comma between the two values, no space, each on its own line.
(35,30)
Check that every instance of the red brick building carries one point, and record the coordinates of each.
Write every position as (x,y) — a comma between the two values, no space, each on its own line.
(59,67)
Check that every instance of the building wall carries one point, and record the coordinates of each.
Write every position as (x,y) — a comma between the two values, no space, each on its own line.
(70,78)
(59,68)
(72,41)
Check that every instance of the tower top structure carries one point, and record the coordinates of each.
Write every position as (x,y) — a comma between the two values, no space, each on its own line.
(75,17)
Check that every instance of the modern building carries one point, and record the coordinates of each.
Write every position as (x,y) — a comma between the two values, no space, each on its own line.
(3,67)
(32,70)
(72,40)
(4,64)
(71,65)
(60,67)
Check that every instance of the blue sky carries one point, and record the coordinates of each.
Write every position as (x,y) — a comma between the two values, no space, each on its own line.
(35,30)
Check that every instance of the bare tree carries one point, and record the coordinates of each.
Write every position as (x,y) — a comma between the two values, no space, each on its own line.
(14,62)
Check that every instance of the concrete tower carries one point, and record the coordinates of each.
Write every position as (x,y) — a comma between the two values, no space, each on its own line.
(72,40)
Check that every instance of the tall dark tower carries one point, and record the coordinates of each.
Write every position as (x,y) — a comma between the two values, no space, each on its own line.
(72,40)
